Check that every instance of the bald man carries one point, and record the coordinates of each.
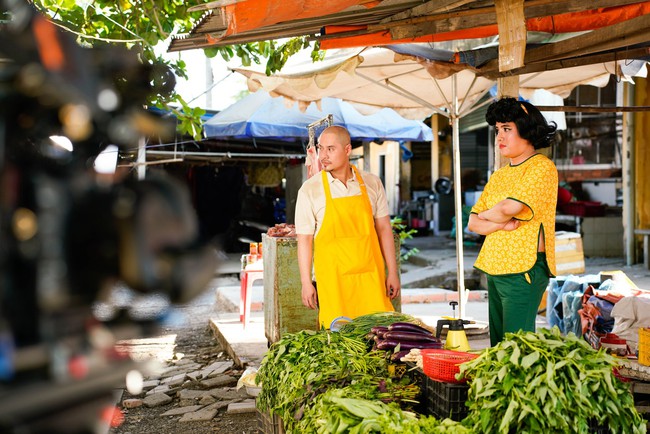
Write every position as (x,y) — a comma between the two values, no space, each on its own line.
(342,223)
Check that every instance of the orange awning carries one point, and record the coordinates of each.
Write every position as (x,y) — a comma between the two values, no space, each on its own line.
(563,23)
(255,14)
(384,38)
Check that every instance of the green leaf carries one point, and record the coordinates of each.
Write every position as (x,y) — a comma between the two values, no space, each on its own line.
(508,383)
(514,357)
(502,372)
(477,385)
(507,417)
(561,364)
(528,360)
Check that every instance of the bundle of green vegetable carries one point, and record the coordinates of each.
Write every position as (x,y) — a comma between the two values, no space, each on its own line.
(360,326)
(378,391)
(546,382)
(335,413)
(303,365)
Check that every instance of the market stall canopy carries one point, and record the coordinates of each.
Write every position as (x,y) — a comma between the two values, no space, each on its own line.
(260,115)
(416,80)
(356,23)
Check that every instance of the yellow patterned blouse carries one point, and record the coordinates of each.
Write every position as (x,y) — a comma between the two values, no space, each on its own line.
(534,183)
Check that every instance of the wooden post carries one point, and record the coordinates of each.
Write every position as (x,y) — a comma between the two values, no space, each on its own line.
(512,33)
(507,86)
(625,95)
(435,149)
(512,48)
(641,156)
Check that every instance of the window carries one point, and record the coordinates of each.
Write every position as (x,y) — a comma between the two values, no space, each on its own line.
(591,138)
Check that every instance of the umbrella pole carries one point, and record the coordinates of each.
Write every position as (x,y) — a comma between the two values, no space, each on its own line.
(455,125)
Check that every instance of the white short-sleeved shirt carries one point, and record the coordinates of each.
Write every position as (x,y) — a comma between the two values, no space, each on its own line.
(310,205)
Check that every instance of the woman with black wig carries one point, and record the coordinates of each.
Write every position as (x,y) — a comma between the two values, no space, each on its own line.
(516,213)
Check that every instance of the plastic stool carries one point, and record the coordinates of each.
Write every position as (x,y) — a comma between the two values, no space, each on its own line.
(247,277)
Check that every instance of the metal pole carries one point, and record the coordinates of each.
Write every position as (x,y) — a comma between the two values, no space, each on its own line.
(455,125)
(185,154)
(141,169)
(627,163)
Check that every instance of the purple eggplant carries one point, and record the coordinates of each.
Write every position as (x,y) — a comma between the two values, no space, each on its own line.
(399,335)
(396,357)
(385,345)
(408,327)
(390,344)
(379,330)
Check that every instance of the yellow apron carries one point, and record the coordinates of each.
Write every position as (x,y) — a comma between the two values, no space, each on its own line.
(348,263)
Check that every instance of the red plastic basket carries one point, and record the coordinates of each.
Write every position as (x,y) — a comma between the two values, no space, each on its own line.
(443,365)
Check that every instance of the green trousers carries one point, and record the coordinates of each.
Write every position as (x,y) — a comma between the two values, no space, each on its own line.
(514,299)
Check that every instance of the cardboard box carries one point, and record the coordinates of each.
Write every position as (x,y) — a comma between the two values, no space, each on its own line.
(619,277)
(569,254)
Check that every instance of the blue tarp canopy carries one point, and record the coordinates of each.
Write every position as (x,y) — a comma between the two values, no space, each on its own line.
(260,115)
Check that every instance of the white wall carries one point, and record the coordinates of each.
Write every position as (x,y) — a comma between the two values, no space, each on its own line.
(391,151)
(204,73)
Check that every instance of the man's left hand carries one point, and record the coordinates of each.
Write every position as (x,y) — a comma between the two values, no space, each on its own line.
(393,287)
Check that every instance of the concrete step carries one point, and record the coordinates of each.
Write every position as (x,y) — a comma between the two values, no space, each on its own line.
(228,297)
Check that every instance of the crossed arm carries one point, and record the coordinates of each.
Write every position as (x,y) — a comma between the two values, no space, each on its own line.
(497,218)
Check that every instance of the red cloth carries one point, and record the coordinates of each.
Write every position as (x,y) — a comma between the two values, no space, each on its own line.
(563,196)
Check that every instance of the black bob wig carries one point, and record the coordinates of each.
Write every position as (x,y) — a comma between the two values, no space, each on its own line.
(532,126)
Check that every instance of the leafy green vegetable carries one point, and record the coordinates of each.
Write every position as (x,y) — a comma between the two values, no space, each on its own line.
(303,365)
(335,412)
(546,382)
(401,391)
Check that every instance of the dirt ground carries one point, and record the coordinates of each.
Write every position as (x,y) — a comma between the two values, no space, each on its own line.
(194,339)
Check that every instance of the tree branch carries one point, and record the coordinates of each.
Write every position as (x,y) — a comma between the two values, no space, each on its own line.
(160,27)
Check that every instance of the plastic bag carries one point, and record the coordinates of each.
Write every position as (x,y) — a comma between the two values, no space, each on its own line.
(247,378)
(554,306)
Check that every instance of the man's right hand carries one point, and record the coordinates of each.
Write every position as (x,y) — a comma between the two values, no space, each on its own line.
(309,296)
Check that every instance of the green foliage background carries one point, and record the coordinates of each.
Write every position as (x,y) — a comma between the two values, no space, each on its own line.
(147,24)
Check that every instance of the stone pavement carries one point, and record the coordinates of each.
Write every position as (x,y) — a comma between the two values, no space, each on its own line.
(196,390)
(187,379)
